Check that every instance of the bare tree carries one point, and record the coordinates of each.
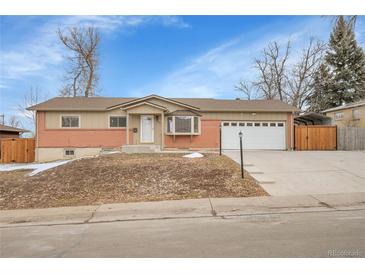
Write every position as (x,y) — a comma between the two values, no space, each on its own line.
(271,68)
(277,78)
(14,121)
(265,82)
(81,76)
(247,88)
(31,98)
(300,79)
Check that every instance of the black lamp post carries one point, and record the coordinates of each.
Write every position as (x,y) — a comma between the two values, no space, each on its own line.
(241,150)
(220,139)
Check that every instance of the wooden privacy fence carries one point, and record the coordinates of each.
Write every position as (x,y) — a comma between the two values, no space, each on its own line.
(315,137)
(17,150)
(350,138)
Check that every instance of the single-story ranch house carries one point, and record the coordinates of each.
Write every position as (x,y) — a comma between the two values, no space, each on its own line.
(79,126)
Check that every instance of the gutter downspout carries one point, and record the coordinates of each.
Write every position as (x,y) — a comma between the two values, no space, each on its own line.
(36,137)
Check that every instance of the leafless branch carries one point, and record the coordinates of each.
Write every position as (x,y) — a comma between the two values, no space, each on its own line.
(14,121)
(81,78)
(31,98)
(300,78)
(247,88)
(271,71)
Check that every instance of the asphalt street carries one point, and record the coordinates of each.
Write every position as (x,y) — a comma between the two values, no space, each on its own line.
(321,233)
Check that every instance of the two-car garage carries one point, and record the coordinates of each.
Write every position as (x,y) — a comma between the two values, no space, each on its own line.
(256,134)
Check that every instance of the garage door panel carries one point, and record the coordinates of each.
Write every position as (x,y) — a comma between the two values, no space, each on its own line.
(254,137)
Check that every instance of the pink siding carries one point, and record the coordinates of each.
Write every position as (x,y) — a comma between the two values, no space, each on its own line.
(209,137)
(78,137)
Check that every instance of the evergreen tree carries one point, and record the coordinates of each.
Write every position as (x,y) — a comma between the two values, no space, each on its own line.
(346,63)
(318,100)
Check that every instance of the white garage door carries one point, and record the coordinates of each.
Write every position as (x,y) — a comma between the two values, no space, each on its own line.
(256,135)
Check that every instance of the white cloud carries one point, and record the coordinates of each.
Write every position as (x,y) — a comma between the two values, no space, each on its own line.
(173,21)
(3,86)
(112,23)
(41,52)
(216,72)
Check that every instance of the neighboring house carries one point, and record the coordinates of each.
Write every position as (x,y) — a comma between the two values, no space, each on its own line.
(10,132)
(348,115)
(80,126)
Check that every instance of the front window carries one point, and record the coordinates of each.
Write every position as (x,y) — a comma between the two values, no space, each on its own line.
(118,121)
(170,125)
(183,124)
(196,124)
(71,121)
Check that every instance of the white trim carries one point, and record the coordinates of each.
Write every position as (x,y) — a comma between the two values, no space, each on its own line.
(144,103)
(167,125)
(70,115)
(116,115)
(199,125)
(173,132)
(141,130)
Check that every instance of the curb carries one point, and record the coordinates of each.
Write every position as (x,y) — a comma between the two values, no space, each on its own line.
(182,209)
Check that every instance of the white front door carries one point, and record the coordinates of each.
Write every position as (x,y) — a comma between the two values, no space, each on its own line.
(147,128)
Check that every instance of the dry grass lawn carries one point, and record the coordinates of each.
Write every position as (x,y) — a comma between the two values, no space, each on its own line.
(120,178)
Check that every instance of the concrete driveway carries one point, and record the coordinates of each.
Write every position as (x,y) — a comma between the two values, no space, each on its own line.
(305,172)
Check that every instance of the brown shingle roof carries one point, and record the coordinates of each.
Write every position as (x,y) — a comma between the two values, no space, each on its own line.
(12,129)
(79,103)
(205,104)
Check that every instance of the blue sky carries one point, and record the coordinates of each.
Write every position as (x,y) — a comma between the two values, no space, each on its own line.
(187,56)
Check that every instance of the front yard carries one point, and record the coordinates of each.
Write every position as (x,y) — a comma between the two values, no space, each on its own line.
(121,178)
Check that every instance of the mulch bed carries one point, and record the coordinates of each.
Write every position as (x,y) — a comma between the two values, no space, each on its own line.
(120,178)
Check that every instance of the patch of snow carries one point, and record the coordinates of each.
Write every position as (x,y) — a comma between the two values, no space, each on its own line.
(37,167)
(111,152)
(194,155)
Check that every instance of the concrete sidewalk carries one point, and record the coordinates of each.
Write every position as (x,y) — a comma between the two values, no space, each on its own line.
(198,208)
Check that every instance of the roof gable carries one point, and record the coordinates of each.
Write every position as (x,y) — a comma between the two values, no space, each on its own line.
(153,96)
(143,103)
